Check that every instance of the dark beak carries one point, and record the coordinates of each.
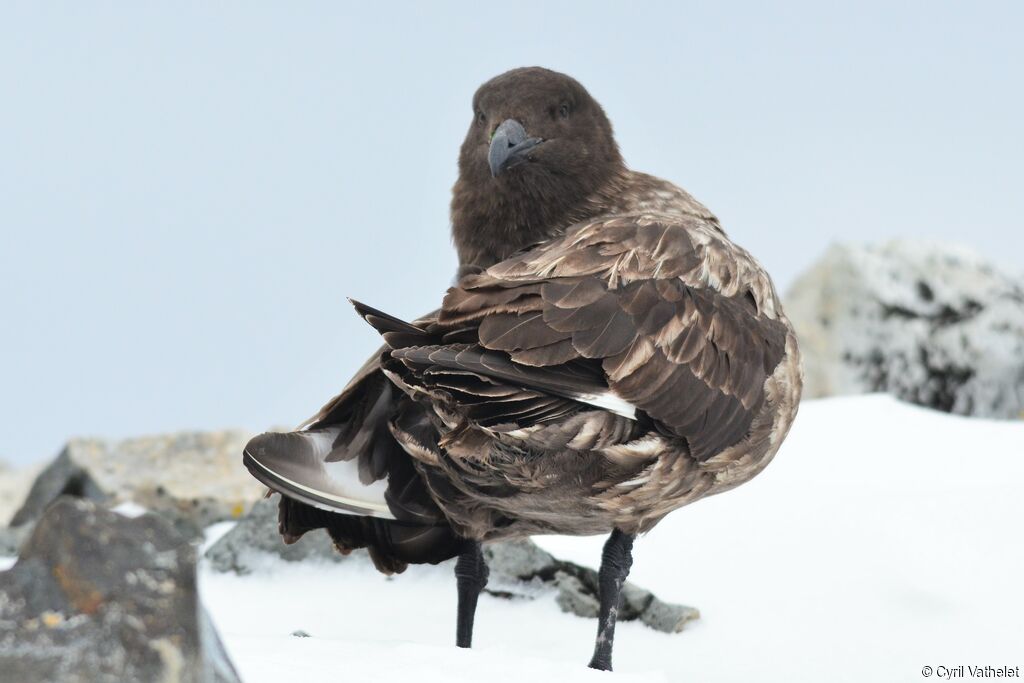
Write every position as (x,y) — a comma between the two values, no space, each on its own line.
(509,147)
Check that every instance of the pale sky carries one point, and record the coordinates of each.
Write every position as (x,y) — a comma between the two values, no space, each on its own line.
(189,191)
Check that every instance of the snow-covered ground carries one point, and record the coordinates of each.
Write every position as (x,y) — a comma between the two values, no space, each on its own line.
(884,538)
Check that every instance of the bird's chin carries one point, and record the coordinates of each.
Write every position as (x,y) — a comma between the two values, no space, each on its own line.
(515,168)
(529,164)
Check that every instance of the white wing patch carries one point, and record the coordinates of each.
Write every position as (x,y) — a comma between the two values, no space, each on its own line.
(610,402)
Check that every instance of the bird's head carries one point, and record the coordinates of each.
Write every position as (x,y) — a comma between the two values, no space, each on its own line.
(538,148)
(535,125)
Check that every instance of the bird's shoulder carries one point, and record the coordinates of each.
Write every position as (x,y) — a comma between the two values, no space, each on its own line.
(621,248)
(636,192)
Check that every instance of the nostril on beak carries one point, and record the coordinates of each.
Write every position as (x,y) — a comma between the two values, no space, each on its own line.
(509,146)
(512,131)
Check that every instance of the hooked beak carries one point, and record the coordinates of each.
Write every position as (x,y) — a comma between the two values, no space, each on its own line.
(509,147)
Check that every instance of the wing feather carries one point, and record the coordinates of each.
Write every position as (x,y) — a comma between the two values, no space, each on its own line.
(682,321)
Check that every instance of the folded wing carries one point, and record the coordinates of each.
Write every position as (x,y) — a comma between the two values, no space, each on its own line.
(680,321)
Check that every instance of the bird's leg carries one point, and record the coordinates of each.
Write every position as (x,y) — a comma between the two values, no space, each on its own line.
(616,559)
(470,577)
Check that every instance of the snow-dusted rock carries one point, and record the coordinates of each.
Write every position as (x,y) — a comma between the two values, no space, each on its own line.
(192,478)
(128,613)
(518,569)
(934,325)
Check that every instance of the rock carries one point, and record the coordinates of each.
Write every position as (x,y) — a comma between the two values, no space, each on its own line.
(193,478)
(519,560)
(518,569)
(933,325)
(573,597)
(514,564)
(255,537)
(668,618)
(14,484)
(12,538)
(130,612)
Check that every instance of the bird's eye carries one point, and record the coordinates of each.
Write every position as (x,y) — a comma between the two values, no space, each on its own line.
(563,111)
(481,117)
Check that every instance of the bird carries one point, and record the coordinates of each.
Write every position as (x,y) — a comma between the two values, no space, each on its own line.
(606,355)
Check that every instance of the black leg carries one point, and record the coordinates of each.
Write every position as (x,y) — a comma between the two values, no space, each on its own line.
(616,560)
(470,577)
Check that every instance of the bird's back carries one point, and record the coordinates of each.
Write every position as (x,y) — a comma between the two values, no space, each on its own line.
(633,364)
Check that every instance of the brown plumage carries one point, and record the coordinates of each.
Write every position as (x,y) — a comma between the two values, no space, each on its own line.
(607,355)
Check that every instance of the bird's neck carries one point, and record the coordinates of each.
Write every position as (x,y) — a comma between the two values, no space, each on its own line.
(488,227)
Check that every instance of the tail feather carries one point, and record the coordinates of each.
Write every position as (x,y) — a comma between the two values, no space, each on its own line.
(395,331)
(348,474)
(299,465)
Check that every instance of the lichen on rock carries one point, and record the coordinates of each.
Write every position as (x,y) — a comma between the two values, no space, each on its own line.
(129,612)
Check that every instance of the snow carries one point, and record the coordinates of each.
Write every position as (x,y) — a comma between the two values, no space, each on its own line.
(129,509)
(882,539)
(214,533)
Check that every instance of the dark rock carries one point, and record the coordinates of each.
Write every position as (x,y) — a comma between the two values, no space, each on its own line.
(64,477)
(193,479)
(255,538)
(516,565)
(97,596)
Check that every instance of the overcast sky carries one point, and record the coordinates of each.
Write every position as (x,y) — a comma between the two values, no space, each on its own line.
(188,192)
